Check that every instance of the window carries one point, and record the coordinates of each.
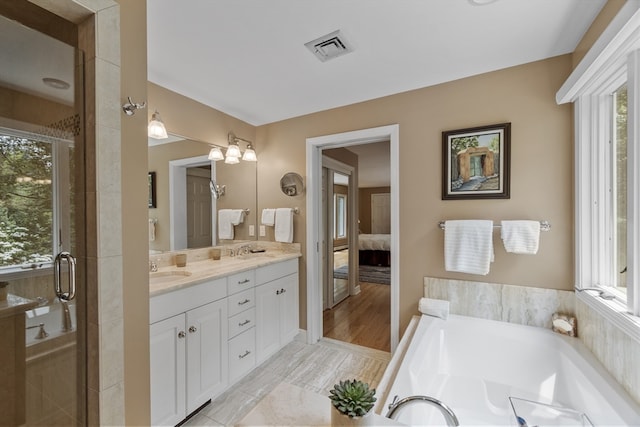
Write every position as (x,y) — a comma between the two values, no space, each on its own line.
(607,169)
(32,185)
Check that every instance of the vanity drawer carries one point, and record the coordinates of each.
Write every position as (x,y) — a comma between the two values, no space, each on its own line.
(242,322)
(242,354)
(241,302)
(241,281)
(275,271)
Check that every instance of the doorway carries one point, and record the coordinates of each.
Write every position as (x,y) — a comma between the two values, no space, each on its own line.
(315,226)
(199,208)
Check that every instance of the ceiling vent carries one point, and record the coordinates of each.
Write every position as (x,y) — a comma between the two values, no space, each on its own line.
(330,46)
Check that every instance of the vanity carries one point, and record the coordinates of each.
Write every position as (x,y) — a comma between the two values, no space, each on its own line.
(214,321)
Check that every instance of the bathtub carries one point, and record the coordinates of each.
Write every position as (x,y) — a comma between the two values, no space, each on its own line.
(51,316)
(474,365)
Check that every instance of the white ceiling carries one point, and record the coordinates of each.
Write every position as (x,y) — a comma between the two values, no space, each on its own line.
(247,58)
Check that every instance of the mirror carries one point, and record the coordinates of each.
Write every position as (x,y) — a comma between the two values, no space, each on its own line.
(291,184)
(186,209)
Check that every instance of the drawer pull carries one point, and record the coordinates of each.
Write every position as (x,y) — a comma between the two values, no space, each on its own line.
(242,282)
(244,302)
(192,329)
(181,334)
(246,322)
(246,353)
(281,291)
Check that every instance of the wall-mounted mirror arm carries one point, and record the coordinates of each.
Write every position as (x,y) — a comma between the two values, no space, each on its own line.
(217,190)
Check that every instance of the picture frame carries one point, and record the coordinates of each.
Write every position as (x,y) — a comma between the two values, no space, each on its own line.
(152,189)
(476,162)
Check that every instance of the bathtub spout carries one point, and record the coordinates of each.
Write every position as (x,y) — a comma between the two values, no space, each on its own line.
(396,405)
(66,317)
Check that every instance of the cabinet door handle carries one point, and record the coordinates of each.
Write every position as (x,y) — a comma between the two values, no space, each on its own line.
(277,291)
(192,329)
(244,302)
(181,334)
(282,291)
(242,282)
(246,353)
(246,322)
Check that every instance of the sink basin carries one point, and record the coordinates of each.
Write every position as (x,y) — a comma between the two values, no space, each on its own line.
(167,276)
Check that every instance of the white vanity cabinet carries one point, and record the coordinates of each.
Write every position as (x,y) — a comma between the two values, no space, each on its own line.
(188,351)
(276,307)
(242,333)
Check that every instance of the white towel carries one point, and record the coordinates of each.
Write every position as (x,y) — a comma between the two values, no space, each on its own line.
(152,230)
(434,307)
(468,246)
(227,218)
(268,217)
(521,237)
(284,225)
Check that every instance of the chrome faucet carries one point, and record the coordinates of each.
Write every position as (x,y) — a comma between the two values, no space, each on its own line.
(447,413)
(41,332)
(66,317)
(153,266)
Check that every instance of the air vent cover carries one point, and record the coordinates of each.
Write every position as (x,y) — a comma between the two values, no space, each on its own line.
(330,46)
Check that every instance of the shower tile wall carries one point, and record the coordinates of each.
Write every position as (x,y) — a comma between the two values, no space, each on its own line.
(515,304)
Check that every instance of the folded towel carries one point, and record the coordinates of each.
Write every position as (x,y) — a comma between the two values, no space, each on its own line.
(268,217)
(521,237)
(284,225)
(434,307)
(152,230)
(468,246)
(227,218)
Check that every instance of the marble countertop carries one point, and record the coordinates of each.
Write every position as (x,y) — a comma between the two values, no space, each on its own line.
(172,278)
(15,304)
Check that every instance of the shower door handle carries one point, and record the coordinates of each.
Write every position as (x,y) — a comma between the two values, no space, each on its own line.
(70,293)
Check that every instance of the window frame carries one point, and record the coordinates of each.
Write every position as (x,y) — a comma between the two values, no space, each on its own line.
(613,60)
(61,209)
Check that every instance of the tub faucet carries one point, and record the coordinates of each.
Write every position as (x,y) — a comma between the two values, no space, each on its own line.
(66,317)
(448,414)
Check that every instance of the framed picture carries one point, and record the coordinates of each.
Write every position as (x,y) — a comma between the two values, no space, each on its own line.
(152,189)
(476,162)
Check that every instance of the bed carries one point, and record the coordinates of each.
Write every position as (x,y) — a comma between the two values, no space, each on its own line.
(374,249)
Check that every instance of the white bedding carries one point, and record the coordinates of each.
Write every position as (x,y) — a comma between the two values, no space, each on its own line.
(374,242)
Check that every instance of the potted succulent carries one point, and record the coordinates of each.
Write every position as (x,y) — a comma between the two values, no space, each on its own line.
(351,402)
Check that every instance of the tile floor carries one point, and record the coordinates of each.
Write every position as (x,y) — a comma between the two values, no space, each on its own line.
(313,367)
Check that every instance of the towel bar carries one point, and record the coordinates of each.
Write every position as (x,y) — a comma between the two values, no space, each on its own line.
(544,225)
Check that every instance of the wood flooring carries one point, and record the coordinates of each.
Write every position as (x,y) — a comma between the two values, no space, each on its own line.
(363,319)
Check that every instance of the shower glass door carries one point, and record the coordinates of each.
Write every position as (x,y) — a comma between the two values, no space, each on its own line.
(42,264)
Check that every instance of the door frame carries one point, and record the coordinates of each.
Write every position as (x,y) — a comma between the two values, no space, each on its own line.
(178,200)
(314,147)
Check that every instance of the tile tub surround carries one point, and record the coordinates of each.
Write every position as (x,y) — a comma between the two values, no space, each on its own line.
(508,303)
(618,352)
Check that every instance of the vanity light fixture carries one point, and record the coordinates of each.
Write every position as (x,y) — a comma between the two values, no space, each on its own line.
(156,127)
(216,154)
(230,160)
(233,150)
(249,154)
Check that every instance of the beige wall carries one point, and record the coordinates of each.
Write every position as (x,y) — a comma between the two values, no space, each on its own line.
(541,179)
(135,246)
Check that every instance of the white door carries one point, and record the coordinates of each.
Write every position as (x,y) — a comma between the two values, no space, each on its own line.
(198,208)
(288,308)
(381,213)
(267,320)
(168,377)
(206,353)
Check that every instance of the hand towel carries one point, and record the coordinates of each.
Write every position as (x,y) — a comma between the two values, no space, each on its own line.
(468,246)
(152,230)
(268,217)
(434,307)
(227,218)
(520,237)
(284,225)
